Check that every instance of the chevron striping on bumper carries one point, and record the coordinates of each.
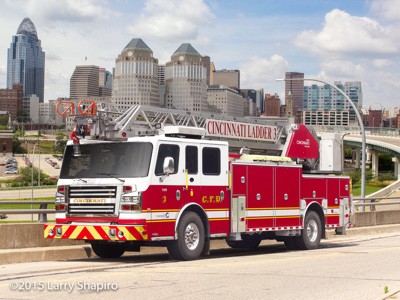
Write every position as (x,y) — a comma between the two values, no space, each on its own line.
(96,232)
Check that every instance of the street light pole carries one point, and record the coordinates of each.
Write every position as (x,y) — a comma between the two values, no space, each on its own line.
(363,157)
(33,159)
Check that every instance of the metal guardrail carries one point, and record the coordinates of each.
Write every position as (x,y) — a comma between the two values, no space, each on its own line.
(42,187)
(42,211)
(376,203)
(372,202)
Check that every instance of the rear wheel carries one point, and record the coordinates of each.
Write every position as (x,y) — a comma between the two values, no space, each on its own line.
(191,238)
(310,237)
(247,242)
(109,250)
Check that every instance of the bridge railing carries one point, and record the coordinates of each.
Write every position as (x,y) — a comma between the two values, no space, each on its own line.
(372,202)
(42,211)
(392,132)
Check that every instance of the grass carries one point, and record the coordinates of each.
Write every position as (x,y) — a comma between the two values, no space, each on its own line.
(368,189)
(26,206)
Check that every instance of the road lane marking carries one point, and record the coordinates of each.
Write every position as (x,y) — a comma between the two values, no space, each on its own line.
(115,274)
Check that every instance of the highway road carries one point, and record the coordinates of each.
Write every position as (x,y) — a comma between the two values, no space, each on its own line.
(353,267)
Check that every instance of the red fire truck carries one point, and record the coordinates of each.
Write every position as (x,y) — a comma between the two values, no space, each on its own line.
(158,177)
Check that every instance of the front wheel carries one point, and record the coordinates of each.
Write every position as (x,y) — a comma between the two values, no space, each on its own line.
(191,238)
(310,237)
(109,250)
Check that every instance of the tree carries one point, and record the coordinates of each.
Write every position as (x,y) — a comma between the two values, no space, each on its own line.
(25,176)
(61,141)
(22,115)
(16,146)
(348,153)
(4,120)
(385,162)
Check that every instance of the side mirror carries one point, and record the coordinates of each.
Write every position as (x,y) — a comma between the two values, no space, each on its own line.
(168,167)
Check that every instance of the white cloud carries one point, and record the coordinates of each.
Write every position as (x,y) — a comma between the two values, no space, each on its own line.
(173,20)
(377,85)
(257,72)
(3,76)
(382,63)
(388,9)
(345,35)
(81,11)
(55,85)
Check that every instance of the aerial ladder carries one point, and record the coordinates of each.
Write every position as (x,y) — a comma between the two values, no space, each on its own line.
(266,136)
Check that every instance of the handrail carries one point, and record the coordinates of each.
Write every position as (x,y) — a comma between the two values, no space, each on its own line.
(376,203)
(42,211)
(377,198)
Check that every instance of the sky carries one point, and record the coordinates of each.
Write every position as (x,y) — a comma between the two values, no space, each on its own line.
(338,40)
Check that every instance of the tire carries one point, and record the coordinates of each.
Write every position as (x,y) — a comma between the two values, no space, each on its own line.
(310,237)
(247,242)
(290,243)
(109,250)
(191,238)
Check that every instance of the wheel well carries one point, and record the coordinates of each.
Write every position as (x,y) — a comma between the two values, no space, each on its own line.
(318,209)
(201,213)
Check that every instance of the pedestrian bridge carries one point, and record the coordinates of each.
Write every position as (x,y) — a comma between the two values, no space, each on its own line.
(377,141)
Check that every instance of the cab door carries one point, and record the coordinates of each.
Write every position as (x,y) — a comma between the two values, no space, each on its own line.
(166,199)
(191,191)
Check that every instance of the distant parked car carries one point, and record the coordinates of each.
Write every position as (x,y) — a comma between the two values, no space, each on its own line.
(12,171)
(29,164)
(56,166)
(11,160)
(54,178)
(59,158)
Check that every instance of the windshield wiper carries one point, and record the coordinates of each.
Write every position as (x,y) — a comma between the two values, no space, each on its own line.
(85,181)
(111,175)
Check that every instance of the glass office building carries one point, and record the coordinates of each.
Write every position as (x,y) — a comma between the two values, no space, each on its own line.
(25,61)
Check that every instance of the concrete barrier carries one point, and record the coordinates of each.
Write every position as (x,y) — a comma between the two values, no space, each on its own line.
(373,218)
(30,235)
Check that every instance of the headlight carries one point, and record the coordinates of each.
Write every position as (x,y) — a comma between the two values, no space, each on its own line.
(131,199)
(131,202)
(60,198)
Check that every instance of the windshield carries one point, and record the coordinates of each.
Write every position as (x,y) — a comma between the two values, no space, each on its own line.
(105,160)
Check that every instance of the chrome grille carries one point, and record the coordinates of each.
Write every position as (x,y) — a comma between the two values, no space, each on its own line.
(87,194)
(91,208)
(92,192)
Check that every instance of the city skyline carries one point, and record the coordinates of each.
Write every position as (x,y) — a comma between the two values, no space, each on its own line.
(262,39)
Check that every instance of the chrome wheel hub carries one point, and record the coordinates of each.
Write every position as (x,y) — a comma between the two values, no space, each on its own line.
(312,230)
(192,236)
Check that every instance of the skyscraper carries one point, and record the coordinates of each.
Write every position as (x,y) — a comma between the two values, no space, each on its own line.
(229,78)
(186,80)
(25,61)
(296,88)
(325,97)
(84,82)
(105,83)
(207,64)
(136,76)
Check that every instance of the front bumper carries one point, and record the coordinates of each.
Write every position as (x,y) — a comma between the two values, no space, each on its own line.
(96,232)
